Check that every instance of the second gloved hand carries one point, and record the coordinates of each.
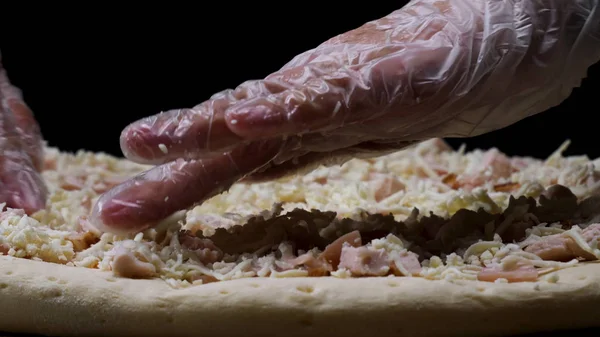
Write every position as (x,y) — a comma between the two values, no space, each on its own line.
(21,152)
(453,68)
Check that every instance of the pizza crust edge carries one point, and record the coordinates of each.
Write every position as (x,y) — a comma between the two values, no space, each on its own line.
(53,299)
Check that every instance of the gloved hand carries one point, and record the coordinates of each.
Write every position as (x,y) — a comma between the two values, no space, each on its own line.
(21,152)
(435,68)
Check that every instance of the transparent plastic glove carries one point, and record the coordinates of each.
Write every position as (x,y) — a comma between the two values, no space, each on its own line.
(21,147)
(435,68)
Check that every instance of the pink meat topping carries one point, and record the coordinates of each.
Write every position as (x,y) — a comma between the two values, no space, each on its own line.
(385,185)
(495,162)
(519,272)
(204,249)
(559,247)
(126,264)
(368,261)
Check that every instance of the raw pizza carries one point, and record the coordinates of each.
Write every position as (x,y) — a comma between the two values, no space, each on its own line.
(407,243)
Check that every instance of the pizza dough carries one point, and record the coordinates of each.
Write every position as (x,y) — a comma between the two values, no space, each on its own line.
(57,300)
(59,277)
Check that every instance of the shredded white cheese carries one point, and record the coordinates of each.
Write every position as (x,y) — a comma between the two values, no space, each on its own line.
(429,177)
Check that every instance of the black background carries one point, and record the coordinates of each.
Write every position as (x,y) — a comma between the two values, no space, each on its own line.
(88,72)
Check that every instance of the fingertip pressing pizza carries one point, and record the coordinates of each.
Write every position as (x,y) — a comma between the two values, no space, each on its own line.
(440,242)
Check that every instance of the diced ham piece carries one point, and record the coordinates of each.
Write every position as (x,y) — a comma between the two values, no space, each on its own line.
(107,183)
(499,162)
(50,164)
(410,262)
(329,259)
(514,272)
(86,235)
(321,180)
(369,261)
(507,187)
(72,183)
(441,172)
(4,248)
(192,242)
(333,251)
(556,248)
(126,264)
(450,180)
(205,249)
(385,185)
(520,163)
(495,162)
(86,226)
(82,241)
(559,247)
(315,266)
(86,202)
(591,233)
(365,261)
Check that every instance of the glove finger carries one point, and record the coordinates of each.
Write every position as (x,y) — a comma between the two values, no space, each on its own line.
(141,202)
(23,186)
(332,96)
(352,81)
(317,98)
(25,122)
(29,130)
(201,132)
(179,133)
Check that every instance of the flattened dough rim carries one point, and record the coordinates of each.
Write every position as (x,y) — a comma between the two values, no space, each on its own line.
(51,299)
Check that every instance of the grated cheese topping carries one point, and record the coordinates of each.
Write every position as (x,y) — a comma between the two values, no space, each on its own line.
(420,186)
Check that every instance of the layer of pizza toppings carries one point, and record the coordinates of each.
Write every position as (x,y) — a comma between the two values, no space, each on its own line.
(427,211)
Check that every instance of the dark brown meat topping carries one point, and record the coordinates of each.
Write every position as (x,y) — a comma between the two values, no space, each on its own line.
(429,235)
